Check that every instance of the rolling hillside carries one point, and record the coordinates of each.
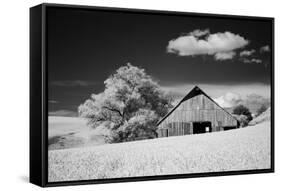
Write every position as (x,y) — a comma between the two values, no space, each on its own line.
(240,149)
(71,132)
(265,116)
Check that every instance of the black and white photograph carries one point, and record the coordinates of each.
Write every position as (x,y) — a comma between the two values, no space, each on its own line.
(140,95)
(144,94)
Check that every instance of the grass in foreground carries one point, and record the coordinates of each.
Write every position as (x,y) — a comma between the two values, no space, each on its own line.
(241,149)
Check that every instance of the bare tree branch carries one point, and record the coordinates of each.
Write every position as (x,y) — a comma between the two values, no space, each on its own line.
(114,110)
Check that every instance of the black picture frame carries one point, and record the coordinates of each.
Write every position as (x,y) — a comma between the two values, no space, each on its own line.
(39,94)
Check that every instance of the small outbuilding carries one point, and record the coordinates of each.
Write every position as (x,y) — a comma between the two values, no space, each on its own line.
(196,113)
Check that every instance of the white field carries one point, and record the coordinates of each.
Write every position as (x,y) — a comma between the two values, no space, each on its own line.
(240,149)
(71,132)
(265,116)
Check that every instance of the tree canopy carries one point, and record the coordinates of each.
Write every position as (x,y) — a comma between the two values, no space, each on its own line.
(130,105)
(242,110)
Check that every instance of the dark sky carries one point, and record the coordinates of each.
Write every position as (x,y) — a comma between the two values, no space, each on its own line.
(85,47)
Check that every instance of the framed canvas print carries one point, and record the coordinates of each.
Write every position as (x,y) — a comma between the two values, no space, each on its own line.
(121,95)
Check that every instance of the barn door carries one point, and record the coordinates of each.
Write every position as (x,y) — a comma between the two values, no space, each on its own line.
(202,127)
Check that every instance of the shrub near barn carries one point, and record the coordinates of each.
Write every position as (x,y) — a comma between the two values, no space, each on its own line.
(244,116)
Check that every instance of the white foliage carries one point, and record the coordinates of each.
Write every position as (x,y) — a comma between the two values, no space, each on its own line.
(130,95)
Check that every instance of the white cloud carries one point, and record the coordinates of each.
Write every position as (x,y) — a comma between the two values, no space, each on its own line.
(252,101)
(258,61)
(253,60)
(211,44)
(178,91)
(224,55)
(247,52)
(199,33)
(228,100)
(265,48)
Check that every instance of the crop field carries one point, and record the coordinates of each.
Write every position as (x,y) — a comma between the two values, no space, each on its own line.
(265,116)
(240,149)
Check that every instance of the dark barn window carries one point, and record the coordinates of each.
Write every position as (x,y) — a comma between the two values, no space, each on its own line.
(202,127)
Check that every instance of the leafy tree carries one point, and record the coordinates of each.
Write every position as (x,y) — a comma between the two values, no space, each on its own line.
(262,109)
(242,110)
(130,105)
(243,120)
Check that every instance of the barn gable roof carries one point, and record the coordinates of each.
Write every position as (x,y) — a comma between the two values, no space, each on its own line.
(194,92)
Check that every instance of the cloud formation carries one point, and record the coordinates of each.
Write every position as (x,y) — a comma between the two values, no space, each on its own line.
(224,55)
(252,101)
(265,48)
(199,33)
(253,60)
(72,83)
(201,42)
(179,90)
(245,53)
(229,100)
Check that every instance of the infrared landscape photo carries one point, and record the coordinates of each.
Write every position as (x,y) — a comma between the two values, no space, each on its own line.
(141,94)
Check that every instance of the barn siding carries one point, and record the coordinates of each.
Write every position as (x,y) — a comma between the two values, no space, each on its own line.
(196,109)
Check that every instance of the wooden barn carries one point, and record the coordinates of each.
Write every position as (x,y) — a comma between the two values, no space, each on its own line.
(196,113)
